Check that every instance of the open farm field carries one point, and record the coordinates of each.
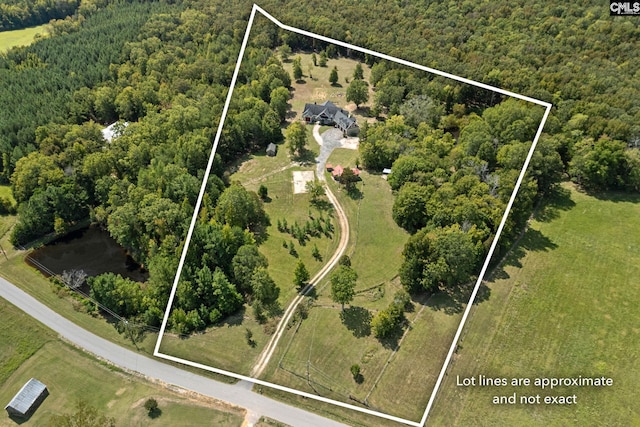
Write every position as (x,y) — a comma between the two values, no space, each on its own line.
(28,349)
(563,305)
(23,37)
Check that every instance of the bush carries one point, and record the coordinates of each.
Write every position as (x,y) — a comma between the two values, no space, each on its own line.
(151,405)
(263,192)
(355,370)
(6,207)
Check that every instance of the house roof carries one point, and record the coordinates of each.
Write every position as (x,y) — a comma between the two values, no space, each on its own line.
(327,108)
(272,147)
(343,121)
(27,396)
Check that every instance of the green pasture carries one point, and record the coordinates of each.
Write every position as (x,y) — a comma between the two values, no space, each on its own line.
(316,88)
(564,304)
(223,346)
(29,349)
(22,37)
(316,356)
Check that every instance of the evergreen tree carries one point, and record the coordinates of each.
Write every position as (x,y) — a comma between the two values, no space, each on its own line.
(333,77)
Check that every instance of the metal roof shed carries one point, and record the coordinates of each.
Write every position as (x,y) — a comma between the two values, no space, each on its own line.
(28,399)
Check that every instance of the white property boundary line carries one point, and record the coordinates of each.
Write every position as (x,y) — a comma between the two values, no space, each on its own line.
(456,338)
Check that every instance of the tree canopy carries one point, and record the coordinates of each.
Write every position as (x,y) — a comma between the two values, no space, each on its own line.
(343,284)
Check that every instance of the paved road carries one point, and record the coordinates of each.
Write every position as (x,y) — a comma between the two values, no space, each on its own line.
(235,394)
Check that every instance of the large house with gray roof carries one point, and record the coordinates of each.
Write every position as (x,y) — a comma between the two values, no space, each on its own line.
(330,114)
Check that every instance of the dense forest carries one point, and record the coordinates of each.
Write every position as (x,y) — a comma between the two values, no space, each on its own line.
(165,68)
(15,14)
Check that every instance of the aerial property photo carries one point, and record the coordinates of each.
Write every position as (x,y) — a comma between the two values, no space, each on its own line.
(315,272)
(320,215)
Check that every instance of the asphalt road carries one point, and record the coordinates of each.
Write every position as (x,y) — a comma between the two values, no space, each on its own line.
(237,394)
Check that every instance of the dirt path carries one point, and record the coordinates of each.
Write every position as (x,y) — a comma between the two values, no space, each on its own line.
(266,175)
(268,351)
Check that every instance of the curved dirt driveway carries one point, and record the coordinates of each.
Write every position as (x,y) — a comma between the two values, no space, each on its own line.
(270,348)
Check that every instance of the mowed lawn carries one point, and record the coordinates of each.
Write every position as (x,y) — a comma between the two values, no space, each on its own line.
(28,349)
(316,88)
(565,304)
(23,37)
(225,346)
(317,356)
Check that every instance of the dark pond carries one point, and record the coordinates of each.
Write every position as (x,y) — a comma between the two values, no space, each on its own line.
(91,250)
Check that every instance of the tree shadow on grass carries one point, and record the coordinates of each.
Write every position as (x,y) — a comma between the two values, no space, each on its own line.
(531,240)
(616,196)
(322,205)
(392,340)
(155,413)
(235,319)
(306,157)
(357,320)
(453,300)
(274,310)
(559,200)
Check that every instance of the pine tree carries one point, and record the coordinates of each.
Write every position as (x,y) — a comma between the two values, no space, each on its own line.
(333,77)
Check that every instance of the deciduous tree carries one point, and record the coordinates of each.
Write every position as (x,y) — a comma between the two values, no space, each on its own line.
(240,208)
(358,92)
(343,284)
(296,138)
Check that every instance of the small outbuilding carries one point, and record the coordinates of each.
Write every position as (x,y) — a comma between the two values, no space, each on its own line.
(30,396)
(272,149)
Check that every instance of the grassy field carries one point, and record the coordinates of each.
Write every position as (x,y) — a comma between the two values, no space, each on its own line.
(23,37)
(318,89)
(225,347)
(222,346)
(565,304)
(327,346)
(28,349)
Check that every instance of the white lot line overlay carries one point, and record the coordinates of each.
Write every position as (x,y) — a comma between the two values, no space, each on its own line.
(456,338)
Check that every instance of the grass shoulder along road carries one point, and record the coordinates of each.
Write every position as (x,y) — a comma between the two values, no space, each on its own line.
(563,305)
(29,349)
